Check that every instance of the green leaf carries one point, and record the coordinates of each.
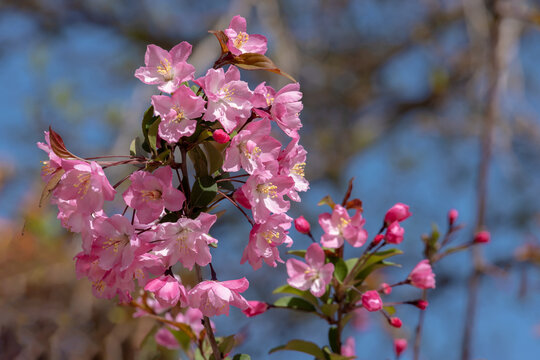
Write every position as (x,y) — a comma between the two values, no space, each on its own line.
(376,261)
(340,270)
(152,135)
(300,253)
(294,303)
(182,338)
(200,163)
(305,294)
(214,156)
(390,310)
(226,344)
(242,357)
(164,155)
(148,120)
(303,346)
(329,309)
(203,192)
(333,338)
(327,200)
(135,148)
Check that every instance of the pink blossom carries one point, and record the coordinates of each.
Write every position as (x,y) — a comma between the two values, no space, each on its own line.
(314,274)
(241,198)
(400,345)
(302,225)
(167,69)
(228,97)
(386,289)
(186,240)
(395,322)
(292,161)
(360,320)
(482,237)
(265,192)
(349,347)
(255,308)
(151,193)
(371,301)
(377,239)
(53,164)
(214,298)
(178,113)
(264,239)
(251,148)
(165,338)
(85,183)
(240,42)
(398,212)
(422,276)
(167,290)
(394,233)
(191,317)
(285,106)
(338,226)
(221,137)
(452,216)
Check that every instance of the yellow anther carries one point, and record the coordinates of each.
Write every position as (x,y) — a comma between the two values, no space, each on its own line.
(83,183)
(151,195)
(165,69)
(227,93)
(268,189)
(241,39)
(179,114)
(298,169)
(270,235)
(269,99)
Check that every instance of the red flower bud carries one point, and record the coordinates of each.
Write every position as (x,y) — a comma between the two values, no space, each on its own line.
(221,136)
(395,322)
(302,225)
(421,304)
(482,237)
(452,216)
(378,239)
(398,212)
(255,308)
(400,345)
(386,289)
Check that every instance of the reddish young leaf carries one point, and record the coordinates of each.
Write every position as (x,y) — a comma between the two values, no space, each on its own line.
(57,145)
(51,185)
(252,61)
(355,204)
(348,193)
(222,38)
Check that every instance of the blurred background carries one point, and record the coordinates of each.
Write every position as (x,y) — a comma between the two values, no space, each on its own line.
(398,94)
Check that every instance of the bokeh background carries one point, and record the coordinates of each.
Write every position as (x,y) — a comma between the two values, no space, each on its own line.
(397,93)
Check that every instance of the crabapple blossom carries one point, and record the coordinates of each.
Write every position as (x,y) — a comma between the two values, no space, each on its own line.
(339,226)
(314,274)
(241,42)
(85,183)
(167,69)
(422,276)
(371,301)
(386,289)
(292,161)
(151,193)
(398,212)
(167,290)
(53,164)
(349,347)
(452,216)
(228,97)
(482,237)
(394,233)
(178,113)
(302,225)
(264,239)
(214,297)
(400,345)
(186,240)
(191,317)
(221,137)
(395,322)
(251,148)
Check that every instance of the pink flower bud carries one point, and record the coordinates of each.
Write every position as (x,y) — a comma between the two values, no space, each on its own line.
(482,237)
(422,276)
(378,239)
(400,345)
(395,322)
(398,212)
(371,301)
(452,216)
(421,304)
(394,233)
(386,289)
(221,136)
(255,308)
(302,225)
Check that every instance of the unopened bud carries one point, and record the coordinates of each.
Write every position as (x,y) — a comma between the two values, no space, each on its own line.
(400,345)
(386,289)
(482,237)
(302,225)
(377,239)
(221,136)
(395,322)
(421,304)
(452,216)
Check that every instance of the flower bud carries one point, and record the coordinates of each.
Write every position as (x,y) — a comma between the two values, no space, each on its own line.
(398,212)
(421,304)
(377,239)
(394,233)
(221,136)
(400,345)
(386,289)
(371,301)
(302,225)
(422,276)
(452,216)
(482,237)
(255,308)
(395,322)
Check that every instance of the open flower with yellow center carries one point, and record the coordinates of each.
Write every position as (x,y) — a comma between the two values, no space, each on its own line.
(240,42)
(314,274)
(338,226)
